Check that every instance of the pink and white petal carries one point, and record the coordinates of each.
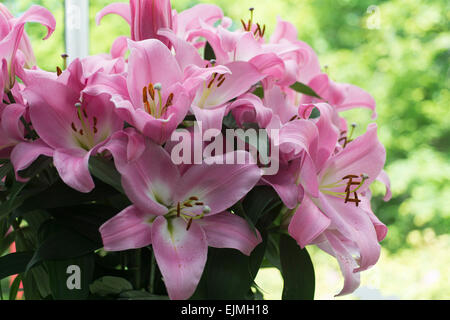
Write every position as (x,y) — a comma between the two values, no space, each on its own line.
(53,108)
(269,64)
(73,168)
(10,121)
(188,19)
(227,230)
(121,9)
(181,255)
(129,229)
(384,179)
(249,108)
(346,263)
(159,64)
(355,225)
(364,155)
(355,97)
(209,118)
(186,53)
(150,181)
(307,223)
(219,186)
(119,47)
(243,76)
(25,153)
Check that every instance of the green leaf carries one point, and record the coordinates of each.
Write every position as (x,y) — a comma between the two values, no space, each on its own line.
(259,92)
(14,263)
(303,88)
(61,243)
(59,276)
(105,170)
(14,288)
(273,251)
(297,270)
(259,201)
(209,52)
(108,285)
(315,113)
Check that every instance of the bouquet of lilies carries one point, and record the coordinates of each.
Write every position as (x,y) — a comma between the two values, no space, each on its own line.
(176,166)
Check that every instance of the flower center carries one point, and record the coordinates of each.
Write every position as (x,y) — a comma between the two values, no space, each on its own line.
(352,181)
(86,129)
(189,210)
(153,101)
(209,86)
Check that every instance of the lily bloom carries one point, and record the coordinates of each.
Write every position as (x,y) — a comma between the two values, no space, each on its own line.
(71,126)
(180,215)
(338,218)
(13,38)
(152,97)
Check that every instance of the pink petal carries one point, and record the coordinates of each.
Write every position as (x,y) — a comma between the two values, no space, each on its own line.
(121,9)
(384,179)
(186,53)
(364,155)
(249,108)
(181,255)
(227,230)
(10,121)
(129,229)
(209,118)
(243,76)
(355,225)
(307,223)
(219,185)
(25,153)
(150,181)
(150,61)
(73,168)
(188,19)
(346,263)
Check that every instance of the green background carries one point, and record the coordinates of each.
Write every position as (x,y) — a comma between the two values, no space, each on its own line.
(398,51)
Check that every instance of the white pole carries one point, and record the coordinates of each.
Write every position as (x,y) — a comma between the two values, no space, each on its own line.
(77,28)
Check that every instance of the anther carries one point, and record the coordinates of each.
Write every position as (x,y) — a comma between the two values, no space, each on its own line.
(144,95)
(151,91)
(221,82)
(58,71)
(189,224)
(212,80)
(85,113)
(193,198)
(187,204)
(95,121)
(81,132)
(178,210)
(199,203)
(169,100)
(74,128)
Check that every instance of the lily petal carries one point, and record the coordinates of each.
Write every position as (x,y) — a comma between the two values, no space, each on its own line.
(129,229)
(227,230)
(181,255)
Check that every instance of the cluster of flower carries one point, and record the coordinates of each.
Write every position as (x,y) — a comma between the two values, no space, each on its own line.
(185,69)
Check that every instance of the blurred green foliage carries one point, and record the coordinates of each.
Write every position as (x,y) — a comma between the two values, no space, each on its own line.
(397,50)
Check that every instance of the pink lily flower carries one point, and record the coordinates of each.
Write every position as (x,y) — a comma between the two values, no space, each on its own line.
(71,126)
(145,17)
(13,37)
(337,213)
(152,97)
(180,215)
